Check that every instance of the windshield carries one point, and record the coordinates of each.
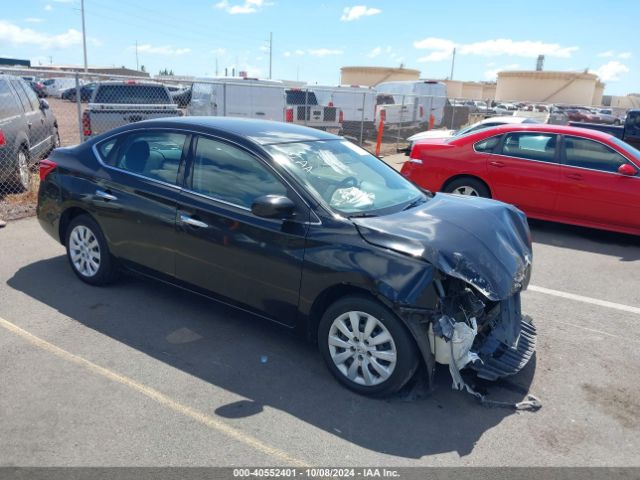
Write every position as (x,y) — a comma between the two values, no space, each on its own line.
(346,177)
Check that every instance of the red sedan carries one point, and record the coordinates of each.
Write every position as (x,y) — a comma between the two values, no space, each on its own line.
(551,172)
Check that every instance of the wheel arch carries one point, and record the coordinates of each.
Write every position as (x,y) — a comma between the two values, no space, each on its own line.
(66,218)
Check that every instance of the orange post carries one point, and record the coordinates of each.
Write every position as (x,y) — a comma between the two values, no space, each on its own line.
(432,121)
(380,129)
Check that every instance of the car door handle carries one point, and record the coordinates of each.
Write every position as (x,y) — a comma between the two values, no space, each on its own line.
(574,176)
(496,164)
(106,196)
(192,221)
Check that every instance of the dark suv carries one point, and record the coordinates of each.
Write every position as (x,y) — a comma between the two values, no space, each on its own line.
(28,132)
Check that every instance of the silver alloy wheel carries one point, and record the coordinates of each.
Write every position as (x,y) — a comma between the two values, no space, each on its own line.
(24,173)
(362,348)
(84,250)
(466,190)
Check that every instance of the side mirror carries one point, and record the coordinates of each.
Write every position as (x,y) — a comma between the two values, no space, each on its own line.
(628,170)
(273,206)
(44,105)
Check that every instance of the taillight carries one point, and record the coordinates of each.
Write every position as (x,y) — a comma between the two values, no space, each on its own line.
(341,116)
(288,117)
(86,124)
(383,115)
(46,167)
(3,140)
(421,111)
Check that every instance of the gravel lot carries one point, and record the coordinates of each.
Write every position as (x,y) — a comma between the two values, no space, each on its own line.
(141,374)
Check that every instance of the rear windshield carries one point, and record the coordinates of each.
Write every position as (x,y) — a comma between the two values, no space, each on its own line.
(299,97)
(132,94)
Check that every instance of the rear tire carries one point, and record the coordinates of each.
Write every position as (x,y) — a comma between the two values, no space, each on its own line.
(366,347)
(88,252)
(468,186)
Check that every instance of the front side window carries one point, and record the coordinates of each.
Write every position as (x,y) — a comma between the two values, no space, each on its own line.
(21,95)
(345,177)
(151,154)
(226,173)
(532,146)
(487,145)
(585,153)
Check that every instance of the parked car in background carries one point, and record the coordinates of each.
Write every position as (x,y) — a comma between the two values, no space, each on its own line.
(38,88)
(55,86)
(579,114)
(395,115)
(86,92)
(357,104)
(628,132)
(303,108)
(504,108)
(28,131)
(606,116)
(551,172)
(117,103)
(482,124)
(238,97)
(305,229)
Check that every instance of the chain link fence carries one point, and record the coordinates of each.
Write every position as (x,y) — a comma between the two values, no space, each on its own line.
(43,109)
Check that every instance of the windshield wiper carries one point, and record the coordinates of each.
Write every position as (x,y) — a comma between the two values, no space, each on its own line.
(415,203)
(362,215)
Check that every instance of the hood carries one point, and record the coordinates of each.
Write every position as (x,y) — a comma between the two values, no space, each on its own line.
(431,134)
(483,242)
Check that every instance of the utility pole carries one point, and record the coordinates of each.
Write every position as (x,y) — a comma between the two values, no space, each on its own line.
(84,37)
(453,62)
(270,53)
(216,66)
(137,66)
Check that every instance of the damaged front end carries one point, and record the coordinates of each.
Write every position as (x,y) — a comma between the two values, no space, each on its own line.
(492,337)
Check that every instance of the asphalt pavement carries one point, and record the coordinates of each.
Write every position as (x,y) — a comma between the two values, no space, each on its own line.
(142,374)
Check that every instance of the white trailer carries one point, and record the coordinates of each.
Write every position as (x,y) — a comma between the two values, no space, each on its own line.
(238,97)
(422,98)
(357,103)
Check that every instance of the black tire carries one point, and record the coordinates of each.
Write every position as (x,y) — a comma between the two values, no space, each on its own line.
(22,173)
(469,184)
(406,352)
(616,122)
(100,272)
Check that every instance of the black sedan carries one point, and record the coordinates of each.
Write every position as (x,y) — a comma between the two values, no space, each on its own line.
(305,229)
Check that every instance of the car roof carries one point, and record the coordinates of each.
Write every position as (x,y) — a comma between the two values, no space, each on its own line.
(262,132)
(546,128)
(507,119)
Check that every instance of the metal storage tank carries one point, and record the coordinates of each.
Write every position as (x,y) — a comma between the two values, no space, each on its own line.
(597,94)
(547,86)
(371,76)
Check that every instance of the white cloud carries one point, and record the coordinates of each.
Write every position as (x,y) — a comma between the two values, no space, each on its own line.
(48,7)
(624,55)
(611,71)
(33,20)
(219,51)
(380,50)
(297,53)
(248,6)
(442,49)
(358,11)
(161,50)
(375,52)
(492,73)
(608,53)
(324,52)
(16,35)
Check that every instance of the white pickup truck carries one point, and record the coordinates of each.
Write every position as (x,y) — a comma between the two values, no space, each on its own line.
(303,108)
(117,103)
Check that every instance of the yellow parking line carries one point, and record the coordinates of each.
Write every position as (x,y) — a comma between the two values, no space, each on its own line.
(156,396)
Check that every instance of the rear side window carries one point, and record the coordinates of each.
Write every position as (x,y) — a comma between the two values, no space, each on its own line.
(227,173)
(532,146)
(9,106)
(581,152)
(31,95)
(24,101)
(155,155)
(488,145)
(132,94)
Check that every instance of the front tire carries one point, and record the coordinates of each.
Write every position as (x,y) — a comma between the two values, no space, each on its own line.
(22,174)
(88,252)
(366,347)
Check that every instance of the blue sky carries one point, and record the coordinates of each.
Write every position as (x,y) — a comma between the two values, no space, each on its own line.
(313,39)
